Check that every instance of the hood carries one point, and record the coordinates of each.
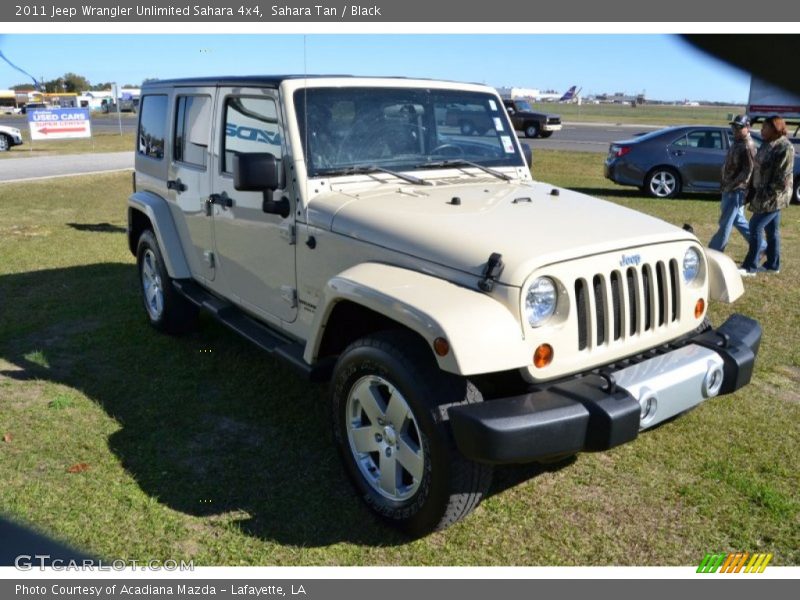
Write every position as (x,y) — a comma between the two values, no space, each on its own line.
(525,222)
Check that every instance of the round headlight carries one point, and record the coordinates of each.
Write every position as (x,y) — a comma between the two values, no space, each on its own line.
(540,301)
(691,265)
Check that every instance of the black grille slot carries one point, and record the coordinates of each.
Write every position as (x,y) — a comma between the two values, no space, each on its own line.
(647,289)
(600,308)
(661,293)
(673,272)
(616,302)
(582,305)
(630,275)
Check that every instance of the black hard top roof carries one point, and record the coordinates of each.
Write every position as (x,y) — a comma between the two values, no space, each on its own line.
(249,80)
(259,80)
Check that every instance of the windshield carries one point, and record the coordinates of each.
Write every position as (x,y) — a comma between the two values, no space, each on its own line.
(402,128)
(523,106)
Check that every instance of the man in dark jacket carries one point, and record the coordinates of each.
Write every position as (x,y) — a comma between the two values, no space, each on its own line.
(736,173)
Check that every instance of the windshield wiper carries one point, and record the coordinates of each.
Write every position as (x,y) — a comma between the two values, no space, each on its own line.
(369,170)
(460,163)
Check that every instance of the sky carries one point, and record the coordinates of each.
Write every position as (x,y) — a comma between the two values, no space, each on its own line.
(663,67)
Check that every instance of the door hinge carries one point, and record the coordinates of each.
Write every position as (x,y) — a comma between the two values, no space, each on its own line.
(288,232)
(289,295)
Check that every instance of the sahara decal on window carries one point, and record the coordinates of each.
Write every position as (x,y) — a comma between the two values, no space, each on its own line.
(253,134)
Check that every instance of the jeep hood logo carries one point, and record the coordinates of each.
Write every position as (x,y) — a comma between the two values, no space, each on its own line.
(630,259)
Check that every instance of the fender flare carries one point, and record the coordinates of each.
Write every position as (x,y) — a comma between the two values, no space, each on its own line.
(156,209)
(484,336)
(724,282)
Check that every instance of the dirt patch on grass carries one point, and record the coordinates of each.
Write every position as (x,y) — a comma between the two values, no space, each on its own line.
(25,231)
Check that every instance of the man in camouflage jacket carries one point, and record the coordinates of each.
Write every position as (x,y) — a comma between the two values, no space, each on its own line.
(736,174)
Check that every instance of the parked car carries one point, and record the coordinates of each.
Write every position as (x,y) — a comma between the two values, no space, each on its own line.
(464,314)
(34,106)
(9,137)
(669,161)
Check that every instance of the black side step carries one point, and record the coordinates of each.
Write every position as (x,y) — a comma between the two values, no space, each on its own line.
(261,335)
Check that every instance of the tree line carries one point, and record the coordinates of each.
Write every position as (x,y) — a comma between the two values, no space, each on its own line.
(71,83)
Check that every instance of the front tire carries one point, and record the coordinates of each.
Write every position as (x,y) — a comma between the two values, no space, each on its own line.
(663,182)
(546,134)
(389,402)
(5,143)
(532,130)
(165,308)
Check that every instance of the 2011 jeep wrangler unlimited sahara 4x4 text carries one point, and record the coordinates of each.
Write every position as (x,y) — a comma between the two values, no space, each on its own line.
(465,314)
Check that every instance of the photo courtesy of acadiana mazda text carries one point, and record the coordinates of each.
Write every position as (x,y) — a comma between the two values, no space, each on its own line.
(462,314)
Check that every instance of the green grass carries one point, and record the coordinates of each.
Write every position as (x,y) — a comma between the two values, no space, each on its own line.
(226,458)
(653,114)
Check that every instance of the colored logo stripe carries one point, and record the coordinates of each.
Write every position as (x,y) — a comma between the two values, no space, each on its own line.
(734,563)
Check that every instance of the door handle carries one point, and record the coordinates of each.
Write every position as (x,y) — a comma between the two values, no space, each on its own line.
(678,153)
(220,200)
(177,185)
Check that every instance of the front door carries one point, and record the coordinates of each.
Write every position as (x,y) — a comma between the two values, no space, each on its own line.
(701,158)
(255,252)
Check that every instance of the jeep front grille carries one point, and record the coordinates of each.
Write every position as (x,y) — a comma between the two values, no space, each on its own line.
(625,303)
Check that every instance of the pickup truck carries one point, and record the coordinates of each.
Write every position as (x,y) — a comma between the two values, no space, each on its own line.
(533,124)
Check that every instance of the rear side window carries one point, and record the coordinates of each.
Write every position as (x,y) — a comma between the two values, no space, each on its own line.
(251,125)
(152,126)
(709,140)
(192,127)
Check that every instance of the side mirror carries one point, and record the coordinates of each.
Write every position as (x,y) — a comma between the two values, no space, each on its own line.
(261,172)
(527,153)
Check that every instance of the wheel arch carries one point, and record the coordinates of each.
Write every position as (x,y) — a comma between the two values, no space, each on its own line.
(483,335)
(150,211)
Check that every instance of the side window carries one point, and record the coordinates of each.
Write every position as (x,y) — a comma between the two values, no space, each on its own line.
(192,124)
(152,126)
(251,125)
(681,141)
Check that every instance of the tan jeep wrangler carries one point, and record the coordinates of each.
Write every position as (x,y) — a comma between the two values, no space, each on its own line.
(465,314)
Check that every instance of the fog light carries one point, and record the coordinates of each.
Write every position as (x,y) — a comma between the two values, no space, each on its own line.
(713,381)
(441,346)
(699,308)
(543,356)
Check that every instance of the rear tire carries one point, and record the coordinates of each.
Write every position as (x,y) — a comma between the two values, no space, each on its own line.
(663,182)
(796,195)
(165,308)
(389,403)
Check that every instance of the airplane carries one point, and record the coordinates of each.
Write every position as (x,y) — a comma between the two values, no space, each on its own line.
(571,95)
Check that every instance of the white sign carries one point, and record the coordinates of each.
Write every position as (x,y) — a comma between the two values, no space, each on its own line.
(59,123)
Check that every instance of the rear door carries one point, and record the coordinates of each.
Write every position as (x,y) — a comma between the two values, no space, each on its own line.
(189,176)
(255,252)
(699,156)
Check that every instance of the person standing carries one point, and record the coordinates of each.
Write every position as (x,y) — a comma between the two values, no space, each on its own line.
(736,173)
(771,193)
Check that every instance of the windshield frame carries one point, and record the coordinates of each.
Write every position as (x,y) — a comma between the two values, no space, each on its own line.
(502,143)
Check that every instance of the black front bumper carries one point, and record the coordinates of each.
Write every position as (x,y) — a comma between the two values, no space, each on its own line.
(586,413)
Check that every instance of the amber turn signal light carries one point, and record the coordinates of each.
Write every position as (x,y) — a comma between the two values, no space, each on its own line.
(699,308)
(543,356)
(441,346)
